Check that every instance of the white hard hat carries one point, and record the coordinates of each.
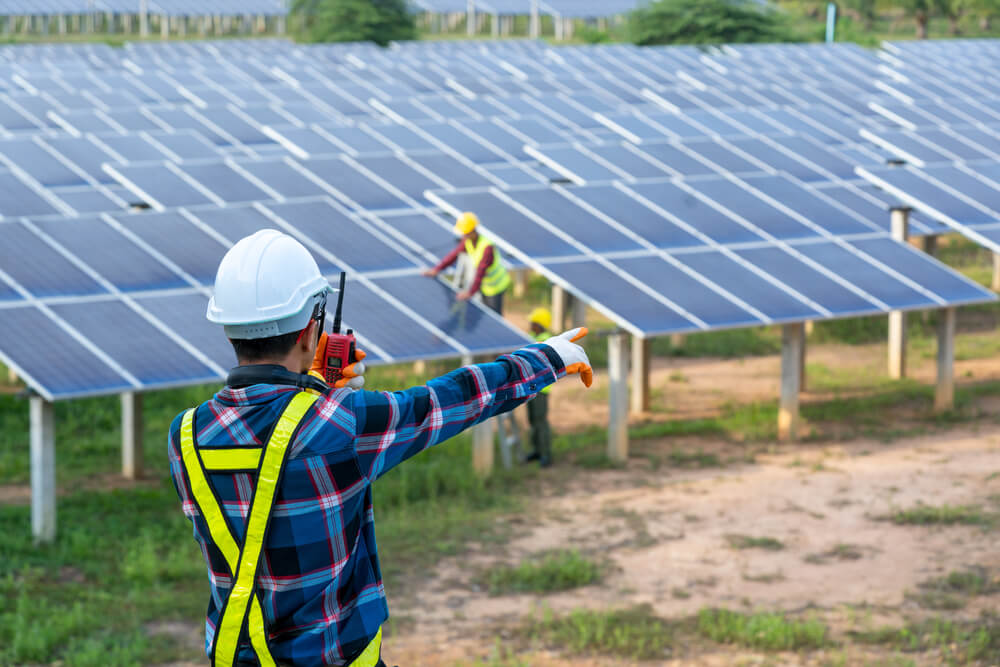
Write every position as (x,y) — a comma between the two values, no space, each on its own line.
(267,285)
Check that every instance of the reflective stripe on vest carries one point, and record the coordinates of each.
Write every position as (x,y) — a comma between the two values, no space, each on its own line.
(242,607)
(496,279)
(541,338)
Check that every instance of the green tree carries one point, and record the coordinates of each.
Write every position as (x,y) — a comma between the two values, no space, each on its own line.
(863,9)
(953,10)
(706,22)
(986,10)
(379,21)
(920,10)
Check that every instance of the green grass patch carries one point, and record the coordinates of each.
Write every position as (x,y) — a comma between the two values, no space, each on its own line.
(635,633)
(752,342)
(952,591)
(943,515)
(765,631)
(958,642)
(839,552)
(544,573)
(749,542)
(697,459)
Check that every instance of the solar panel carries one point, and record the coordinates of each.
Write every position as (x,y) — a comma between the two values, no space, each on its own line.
(160,186)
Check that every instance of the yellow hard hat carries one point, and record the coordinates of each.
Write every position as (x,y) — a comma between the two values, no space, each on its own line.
(466,223)
(541,317)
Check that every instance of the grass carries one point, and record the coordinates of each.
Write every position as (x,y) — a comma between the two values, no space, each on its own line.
(942,515)
(951,592)
(544,573)
(749,542)
(839,552)
(958,642)
(635,633)
(765,631)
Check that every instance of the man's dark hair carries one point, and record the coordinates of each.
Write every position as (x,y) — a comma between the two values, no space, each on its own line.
(255,349)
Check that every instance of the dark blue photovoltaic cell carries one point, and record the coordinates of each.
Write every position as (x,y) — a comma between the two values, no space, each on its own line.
(602,285)
(509,224)
(513,175)
(714,124)
(38,163)
(640,219)
(674,125)
(398,174)
(820,288)
(131,120)
(84,154)
(372,317)
(343,237)
(877,212)
(309,142)
(86,120)
(185,313)
(922,270)
(947,142)
(816,153)
(778,160)
(135,344)
(810,206)
(104,249)
(462,143)
(18,199)
(687,292)
(723,157)
(234,126)
(38,267)
(224,182)
(990,171)
(133,148)
(355,186)
(12,119)
(8,293)
(179,119)
(902,142)
(675,158)
(627,161)
(750,119)
(689,209)
(494,134)
(283,178)
(967,184)
(981,138)
(185,145)
(579,223)
(466,322)
(748,286)
(573,163)
(452,171)
(934,197)
(66,368)
(864,274)
(180,241)
(424,230)
(163,186)
(400,136)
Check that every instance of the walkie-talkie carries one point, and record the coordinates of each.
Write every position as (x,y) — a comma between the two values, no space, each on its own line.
(339,351)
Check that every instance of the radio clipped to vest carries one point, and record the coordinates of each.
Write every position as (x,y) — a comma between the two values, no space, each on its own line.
(340,348)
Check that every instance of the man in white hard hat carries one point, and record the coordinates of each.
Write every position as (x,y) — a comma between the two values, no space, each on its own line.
(491,278)
(275,470)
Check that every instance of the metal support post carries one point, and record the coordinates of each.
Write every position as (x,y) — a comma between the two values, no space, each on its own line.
(164,26)
(792,340)
(132,435)
(483,451)
(535,29)
(520,277)
(995,283)
(144,18)
(281,24)
(944,393)
(470,18)
(495,26)
(618,397)
(559,297)
(900,222)
(11,376)
(557,24)
(640,375)
(43,470)
(802,357)
(577,312)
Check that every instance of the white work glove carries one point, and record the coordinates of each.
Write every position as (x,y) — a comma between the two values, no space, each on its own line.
(572,355)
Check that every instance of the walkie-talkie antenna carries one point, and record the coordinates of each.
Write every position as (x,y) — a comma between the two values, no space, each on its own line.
(340,304)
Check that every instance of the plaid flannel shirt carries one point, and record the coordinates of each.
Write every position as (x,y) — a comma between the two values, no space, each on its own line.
(319,577)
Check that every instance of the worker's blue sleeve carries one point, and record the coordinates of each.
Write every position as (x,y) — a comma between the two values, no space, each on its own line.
(393,426)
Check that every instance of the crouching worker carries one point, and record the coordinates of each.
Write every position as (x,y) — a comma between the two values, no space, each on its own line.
(275,470)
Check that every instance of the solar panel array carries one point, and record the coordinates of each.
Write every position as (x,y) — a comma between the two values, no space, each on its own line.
(945,134)
(563,8)
(675,190)
(167,7)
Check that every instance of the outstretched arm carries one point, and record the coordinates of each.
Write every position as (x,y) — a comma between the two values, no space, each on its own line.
(393,426)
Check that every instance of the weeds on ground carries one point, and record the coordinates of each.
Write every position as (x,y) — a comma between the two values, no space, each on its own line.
(951,592)
(766,631)
(543,573)
(635,633)
(942,515)
(838,552)
(957,641)
(749,542)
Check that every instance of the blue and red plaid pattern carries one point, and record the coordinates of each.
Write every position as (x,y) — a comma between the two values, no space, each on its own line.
(319,579)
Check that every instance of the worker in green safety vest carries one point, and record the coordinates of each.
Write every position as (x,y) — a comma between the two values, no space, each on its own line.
(540,321)
(492,278)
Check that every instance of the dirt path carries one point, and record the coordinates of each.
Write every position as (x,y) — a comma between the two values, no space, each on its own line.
(665,536)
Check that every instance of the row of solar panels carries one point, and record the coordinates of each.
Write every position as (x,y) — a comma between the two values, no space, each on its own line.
(563,8)
(170,7)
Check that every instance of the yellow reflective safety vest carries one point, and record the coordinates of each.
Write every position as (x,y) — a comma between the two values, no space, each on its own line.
(241,610)
(541,338)
(496,279)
